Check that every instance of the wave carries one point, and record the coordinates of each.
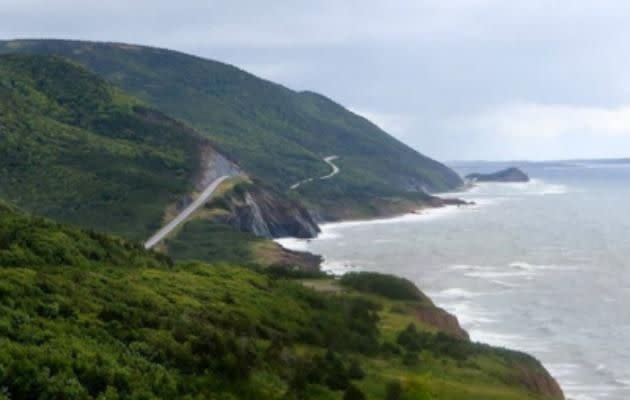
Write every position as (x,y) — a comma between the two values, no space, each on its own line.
(468,315)
(535,187)
(339,267)
(541,267)
(516,269)
(455,294)
(420,215)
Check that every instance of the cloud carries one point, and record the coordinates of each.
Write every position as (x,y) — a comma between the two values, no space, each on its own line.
(455,79)
(397,124)
(539,121)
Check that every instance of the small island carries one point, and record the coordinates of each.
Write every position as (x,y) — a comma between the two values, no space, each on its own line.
(511,174)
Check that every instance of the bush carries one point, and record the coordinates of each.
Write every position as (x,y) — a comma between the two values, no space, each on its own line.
(410,338)
(355,371)
(388,286)
(411,359)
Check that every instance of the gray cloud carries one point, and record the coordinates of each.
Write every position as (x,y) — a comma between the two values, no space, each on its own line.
(456,79)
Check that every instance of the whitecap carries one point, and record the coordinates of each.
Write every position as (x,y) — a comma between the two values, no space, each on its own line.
(339,267)
(455,293)
(293,243)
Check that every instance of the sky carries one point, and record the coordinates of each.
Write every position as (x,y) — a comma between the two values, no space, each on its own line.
(455,79)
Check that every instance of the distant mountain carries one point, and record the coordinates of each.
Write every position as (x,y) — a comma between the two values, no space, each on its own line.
(273,132)
(76,149)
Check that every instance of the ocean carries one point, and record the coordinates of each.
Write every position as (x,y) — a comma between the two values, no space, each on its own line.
(542,267)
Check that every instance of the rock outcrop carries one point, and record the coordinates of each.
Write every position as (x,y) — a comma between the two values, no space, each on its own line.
(253,208)
(539,381)
(506,175)
(441,320)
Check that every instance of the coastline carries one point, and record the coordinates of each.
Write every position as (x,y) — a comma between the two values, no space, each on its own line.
(424,213)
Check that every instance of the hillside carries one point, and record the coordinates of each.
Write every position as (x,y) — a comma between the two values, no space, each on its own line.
(274,133)
(76,149)
(89,316)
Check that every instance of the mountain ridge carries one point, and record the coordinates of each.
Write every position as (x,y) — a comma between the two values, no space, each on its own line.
(275,133)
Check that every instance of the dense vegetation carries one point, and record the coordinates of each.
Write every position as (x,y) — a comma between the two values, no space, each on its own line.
(275,133)
(37,241)
(76,149)
(90,316)
(203,240)
(388,286)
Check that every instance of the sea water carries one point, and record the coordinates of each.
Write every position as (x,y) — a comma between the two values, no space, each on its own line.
(542,267)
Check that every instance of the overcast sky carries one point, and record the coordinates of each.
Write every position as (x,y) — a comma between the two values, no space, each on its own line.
(476,79)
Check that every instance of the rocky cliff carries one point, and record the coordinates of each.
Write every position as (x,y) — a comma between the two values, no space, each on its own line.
(539,381)
(441,320)
(253,208)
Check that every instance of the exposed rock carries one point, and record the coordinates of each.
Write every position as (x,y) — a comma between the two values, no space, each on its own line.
(213,166)
(304,261)
(442,320)
(506,175)
(252,208)
(539,381)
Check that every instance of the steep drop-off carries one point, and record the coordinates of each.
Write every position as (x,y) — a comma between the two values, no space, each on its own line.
(250,207)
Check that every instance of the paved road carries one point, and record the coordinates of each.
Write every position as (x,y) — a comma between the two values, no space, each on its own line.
(199,201)
(328,160)
(335,169)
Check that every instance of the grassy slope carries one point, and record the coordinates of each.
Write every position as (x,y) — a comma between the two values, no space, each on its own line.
(110,320)
(276,133)
(76,149)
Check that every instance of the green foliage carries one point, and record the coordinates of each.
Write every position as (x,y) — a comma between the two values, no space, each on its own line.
(206,241)
(275,133)
(389,286)
(393,390)
(89,316)
(74,148)
(36,241)
(353,393)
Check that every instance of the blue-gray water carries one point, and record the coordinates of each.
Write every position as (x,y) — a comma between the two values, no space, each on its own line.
(542,267)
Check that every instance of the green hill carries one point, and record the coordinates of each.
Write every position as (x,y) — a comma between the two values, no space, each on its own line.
(90,316)
(76,149)
(275,133)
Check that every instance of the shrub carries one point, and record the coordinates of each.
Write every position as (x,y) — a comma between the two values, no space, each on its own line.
(388,286)
(411,359)
(355,371)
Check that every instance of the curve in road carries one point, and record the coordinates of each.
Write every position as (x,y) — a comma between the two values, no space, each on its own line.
(328,160)
(182,216)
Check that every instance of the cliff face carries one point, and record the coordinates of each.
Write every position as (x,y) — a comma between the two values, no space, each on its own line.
(442,320)
(540,382)
(263,212)
(527,371)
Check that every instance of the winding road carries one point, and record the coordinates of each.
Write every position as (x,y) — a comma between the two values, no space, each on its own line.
(182,216)
(205,195)
(328,160)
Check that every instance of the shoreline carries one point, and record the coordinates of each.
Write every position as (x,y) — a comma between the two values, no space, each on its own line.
(427,212)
